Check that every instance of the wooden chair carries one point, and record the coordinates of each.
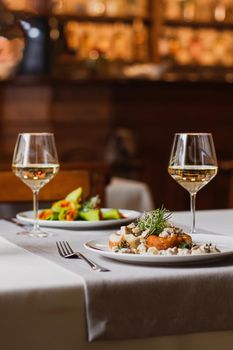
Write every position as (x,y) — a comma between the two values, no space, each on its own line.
(16,196)
(14,190)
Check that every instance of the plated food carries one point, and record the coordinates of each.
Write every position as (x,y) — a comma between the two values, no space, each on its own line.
(153,239)
(27,218)
(154,234)
(76,212)
(100,246)
(75,207)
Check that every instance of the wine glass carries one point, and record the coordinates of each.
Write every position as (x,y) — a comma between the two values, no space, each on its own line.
(35,162)
(193,164)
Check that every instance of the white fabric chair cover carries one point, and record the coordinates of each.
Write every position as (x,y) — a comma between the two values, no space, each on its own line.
(128,194)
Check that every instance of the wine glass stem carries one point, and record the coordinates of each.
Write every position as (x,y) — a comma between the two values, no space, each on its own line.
(193,207)
(35,210)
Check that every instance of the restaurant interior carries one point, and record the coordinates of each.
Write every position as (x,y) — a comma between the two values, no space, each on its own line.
(114,80)
(117,82)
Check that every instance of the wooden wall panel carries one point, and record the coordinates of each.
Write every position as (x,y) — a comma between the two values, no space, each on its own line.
(85,115)
(156,111)
(22,109)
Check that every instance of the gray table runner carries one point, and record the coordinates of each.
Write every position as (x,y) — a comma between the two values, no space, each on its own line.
(135,301)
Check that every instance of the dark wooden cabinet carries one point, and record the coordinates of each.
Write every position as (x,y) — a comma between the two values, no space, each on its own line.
(84,115)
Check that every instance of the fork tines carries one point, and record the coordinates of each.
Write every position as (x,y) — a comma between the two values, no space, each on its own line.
(64,248)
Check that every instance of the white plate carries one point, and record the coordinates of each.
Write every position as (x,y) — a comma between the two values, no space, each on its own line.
(26,217)
(224,243)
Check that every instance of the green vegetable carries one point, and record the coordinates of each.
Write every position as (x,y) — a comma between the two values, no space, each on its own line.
(64,204)
(68,214)
(154,221)
(112,214)
(75,196)
(73,207)
(90,215)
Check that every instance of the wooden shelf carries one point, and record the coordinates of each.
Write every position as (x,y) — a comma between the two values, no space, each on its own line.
(199,25)
(86,18)
(102,19)
(202,67)
(21,15)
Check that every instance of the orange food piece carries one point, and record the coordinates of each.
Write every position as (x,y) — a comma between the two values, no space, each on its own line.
(71,215)
(45,214)
(65,204)
(171,241)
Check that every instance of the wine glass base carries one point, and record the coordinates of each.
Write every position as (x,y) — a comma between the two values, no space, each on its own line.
(33,233)
(192,231)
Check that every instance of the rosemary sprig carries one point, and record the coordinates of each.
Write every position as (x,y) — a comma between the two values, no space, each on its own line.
(154,221)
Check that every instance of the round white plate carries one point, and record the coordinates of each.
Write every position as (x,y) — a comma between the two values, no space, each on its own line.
(26,217)
(224,243)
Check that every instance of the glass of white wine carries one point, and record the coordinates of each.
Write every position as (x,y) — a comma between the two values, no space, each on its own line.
(193,164)
(35,162)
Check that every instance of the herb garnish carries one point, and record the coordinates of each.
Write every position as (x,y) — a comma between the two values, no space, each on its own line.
(154,221)
(91,203)
(184,245)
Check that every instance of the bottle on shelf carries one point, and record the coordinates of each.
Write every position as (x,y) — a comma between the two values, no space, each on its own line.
(67,7)
(172,10)
(138,8)
(204,47)
(96,7)
(219,11)
(114,8)
(140,41)
(199,10)
(204,10)
(117,41)
(229,11)
(189,10)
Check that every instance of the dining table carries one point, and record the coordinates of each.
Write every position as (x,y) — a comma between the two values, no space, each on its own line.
(48,302)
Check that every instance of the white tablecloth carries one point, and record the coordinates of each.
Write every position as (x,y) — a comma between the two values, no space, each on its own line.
(39,302)
(42,306)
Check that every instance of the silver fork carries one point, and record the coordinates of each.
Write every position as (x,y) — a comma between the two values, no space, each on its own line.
(65,250)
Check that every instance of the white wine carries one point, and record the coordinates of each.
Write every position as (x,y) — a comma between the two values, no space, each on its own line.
(35,176)
(193,177)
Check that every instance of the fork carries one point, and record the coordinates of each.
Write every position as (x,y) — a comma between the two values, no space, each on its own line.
(65,250)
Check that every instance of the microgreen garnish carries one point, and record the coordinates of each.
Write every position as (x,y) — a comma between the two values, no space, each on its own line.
(184,245)
(154,221)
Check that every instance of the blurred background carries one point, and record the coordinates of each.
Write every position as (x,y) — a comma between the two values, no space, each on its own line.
(115,79)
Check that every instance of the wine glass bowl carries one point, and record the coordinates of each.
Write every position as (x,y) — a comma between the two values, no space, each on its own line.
(35,162)
(193,164)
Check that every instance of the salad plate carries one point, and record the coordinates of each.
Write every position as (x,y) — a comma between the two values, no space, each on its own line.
(26,218)
(224,244)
